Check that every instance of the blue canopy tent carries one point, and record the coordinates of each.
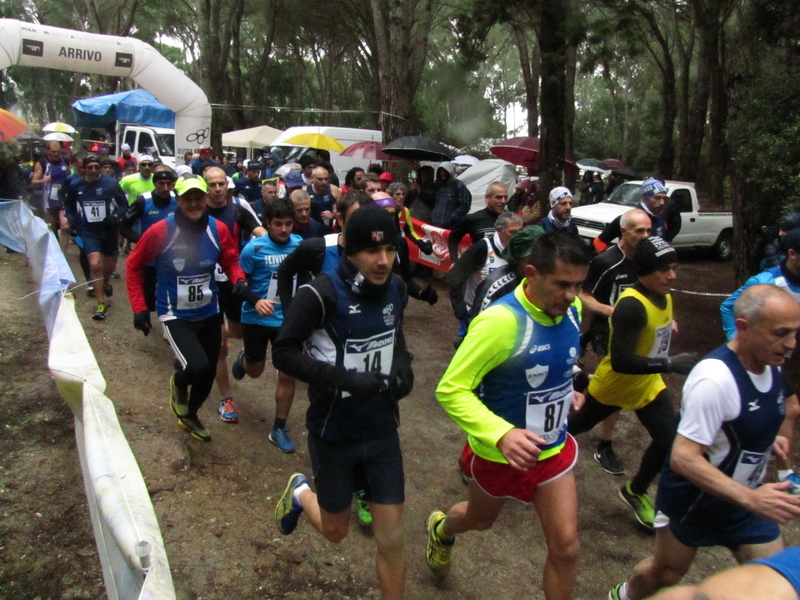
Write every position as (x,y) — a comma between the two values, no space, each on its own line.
(134,106)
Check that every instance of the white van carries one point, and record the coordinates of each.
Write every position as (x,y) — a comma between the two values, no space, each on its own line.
(345,135)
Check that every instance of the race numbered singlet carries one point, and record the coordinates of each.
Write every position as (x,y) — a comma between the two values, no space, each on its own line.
(532,389)
(332,253)
(493,262)
(152,214)
(58,173)
(744,457)
(186,288)
(260,260)
(227,217)
(320,202)
(360,334)
(635,391)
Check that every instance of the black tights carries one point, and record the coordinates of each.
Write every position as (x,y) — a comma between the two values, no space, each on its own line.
(196,344)
(660,421)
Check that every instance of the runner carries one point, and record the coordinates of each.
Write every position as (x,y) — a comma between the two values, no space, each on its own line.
(49,174)
(186,247)
(357,369)
(711,491)
(304,225)
(324,197)
(610,274)
(242,224)
(558,219)
(654,195)
(94,206)
(140,182)
(519,354)
(259,261)
(147,210)
(480,224)
(629,376)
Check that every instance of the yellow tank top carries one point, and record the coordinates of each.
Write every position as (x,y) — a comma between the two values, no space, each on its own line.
(635,391)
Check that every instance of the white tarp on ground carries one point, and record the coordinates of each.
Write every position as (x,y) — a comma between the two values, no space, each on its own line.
(480,175)
(252,137)
(121,511)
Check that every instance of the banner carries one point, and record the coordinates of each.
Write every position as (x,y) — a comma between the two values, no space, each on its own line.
(440,259)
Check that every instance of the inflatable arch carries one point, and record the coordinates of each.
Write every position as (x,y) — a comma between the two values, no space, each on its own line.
(33,45)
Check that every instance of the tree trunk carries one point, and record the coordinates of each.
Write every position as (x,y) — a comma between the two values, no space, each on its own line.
(569,110)
(531,66)
(555,15)
(685,51)
(718,115)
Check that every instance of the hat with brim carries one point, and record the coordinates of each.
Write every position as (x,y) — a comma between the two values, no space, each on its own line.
(187,183)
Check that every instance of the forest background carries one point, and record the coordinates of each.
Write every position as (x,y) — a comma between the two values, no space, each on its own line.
(697,90)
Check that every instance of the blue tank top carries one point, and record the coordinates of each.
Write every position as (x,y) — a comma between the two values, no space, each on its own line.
(332,255)
(787,563)
(533,388)
(59,173)
(360,334)
(320,201)
(152,214)
(750,437)
(186,288)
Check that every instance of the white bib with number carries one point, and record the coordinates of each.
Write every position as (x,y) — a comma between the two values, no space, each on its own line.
(547,411)
(370,355)
(660,348)
(54,191)
(194,291)
(95,210)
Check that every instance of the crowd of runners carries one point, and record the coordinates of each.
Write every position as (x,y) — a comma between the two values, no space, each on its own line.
(322,274)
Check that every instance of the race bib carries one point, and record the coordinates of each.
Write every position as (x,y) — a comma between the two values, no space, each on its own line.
(194,291)
(750,468)
(272,292)
(660,347)
(219,274)
(370,355)
(54,191)
(95,210)
(547,411)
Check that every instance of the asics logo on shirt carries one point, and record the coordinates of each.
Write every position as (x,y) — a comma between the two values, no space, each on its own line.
(541,348)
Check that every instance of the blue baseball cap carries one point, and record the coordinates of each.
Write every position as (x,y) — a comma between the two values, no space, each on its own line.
(293,179)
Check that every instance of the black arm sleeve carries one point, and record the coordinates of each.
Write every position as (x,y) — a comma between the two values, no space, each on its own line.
(610,232)
(246,220)
(305,262)
(629,319)
(470,261)
(402,267)
(454,239)
(307,313)
(134,213)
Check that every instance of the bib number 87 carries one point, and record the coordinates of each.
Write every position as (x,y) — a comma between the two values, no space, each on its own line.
(552,415)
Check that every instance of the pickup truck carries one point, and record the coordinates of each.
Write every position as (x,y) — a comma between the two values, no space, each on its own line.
(698,229)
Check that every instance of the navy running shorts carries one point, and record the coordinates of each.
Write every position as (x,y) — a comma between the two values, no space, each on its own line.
(256,338)
(731,535)
(107,246)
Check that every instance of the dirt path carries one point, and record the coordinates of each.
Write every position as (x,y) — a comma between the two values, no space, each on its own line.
(215,501)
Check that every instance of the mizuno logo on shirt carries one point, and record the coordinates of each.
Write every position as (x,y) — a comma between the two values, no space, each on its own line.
(753,405)
(354,310)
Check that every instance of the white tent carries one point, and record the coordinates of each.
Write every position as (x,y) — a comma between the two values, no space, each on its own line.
(252,137)
(480,175)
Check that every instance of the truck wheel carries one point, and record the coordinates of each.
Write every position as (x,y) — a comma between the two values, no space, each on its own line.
(723,248)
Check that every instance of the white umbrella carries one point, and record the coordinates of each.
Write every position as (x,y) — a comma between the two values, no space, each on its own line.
(57,136)
(58,127)
(466,159)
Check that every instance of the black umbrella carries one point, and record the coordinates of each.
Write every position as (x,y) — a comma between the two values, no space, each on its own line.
(417,147)
(27,136)
(626,173)
(592,164)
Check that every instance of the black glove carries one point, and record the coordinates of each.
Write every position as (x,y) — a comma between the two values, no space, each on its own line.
(429,295)
(402,376)
(363,384)
(111,221)
(141,321)
(242,293)
(461,311)
(682,363)
(425,246)
(74,230)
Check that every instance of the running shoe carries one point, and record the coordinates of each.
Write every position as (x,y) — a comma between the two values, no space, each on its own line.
(237,370)
(641,504)
(100,312)
(115,274)
(195,427)
(90,290)
(362,508)
(289,509)
(280,437)
(604,456)
(227,411)
(794,480)
(178,399)
(613,593)
(437,551)
(108,290)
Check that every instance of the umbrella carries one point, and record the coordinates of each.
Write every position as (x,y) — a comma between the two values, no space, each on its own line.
(417,147)
(524,152)
(318,141)
(366,151)
(27,136)
(615,163)
(59,127)
(592,164)
(10,125)
(466,159)
(57,136)
(626,173)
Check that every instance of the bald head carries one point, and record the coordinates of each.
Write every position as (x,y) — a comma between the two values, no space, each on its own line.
(767,320)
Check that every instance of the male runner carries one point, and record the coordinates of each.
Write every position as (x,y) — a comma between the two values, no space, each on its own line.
(518,354)
(304,225)
(186,248)
(480,224)
(249,186)
(629,376)
(93,207)
(558,219)
(654,196)
(324,197)
(260,260)
(610,274)
(140,182)
(711,491)
(357,368)
(49,174)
